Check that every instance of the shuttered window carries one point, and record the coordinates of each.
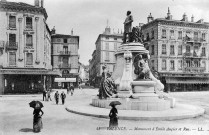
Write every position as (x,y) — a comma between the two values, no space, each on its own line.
(29,59)
(12,58)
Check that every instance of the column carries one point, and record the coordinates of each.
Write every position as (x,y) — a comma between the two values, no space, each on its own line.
(20,40)
(37,42)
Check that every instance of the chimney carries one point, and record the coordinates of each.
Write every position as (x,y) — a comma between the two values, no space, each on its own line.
(192,18)
(36,3)
(150,18)
(42,3)
(53,31)
(71,32)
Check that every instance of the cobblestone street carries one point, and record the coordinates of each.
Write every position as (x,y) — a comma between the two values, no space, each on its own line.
(16,117)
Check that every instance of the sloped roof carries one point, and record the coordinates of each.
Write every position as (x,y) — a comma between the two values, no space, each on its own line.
(20,6)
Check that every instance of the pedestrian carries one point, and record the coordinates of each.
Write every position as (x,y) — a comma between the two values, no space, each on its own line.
(49,95)
(68,89)
(113,117)
(37,120)
(56,96)
(63,96)
(71,88)
(79,85)
(44,94)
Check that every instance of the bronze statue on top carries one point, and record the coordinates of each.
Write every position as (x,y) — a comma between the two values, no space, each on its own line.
(130,34)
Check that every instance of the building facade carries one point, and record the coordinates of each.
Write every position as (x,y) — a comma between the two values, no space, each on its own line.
(25,42)
(178,51)
(106,45)
(65,59)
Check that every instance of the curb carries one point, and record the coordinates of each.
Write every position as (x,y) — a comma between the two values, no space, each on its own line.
(169,117)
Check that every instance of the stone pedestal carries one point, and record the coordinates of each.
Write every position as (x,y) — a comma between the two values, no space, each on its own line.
(144,90)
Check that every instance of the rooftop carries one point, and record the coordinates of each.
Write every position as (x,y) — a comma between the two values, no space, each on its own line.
(20,6)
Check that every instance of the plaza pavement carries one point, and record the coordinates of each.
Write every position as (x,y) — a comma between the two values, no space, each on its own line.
(16,117)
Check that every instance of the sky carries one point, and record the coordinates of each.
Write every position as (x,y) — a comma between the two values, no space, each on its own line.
(88,18)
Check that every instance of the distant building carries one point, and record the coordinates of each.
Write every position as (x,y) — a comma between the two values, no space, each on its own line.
(65,59)
(83,73)
(25,42)
(106,45)
(178,50)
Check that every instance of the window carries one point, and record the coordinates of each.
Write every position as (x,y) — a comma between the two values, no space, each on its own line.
(153,64)
(180,64)
(12,39)
(107,46)
(29,23)
(180,35)
(180,50)
(153,34)
(65,49)
(171,34)
(163,64)
(29,59)
(203,64)
(65,40)
(12,22)
(115,38)
(203,51)
(172,50)
(163,33)
(153,50)
(107,38)
(115,46)
(196,63)
(12,58)
(172,65)
(187,63)
(187,49)
(195,35)
(195,51)
(64,62)
(29,41)
(203,36)
(107,56)
(163,48)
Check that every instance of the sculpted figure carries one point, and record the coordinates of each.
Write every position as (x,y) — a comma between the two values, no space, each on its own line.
(127,27)
(107,86)
(143,71)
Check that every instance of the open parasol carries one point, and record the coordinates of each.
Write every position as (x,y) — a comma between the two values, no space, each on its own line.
(36,104)
(114,103)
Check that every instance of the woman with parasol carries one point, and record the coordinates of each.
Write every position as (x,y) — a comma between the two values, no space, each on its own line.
(113,114)
(37,120)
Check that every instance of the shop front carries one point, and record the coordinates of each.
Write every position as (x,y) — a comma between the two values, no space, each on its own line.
(18,81)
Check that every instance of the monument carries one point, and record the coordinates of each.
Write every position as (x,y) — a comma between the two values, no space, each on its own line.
(134,85)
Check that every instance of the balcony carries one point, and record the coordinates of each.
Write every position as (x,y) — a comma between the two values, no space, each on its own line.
(187,54)
(29,27)
(64,65)
(195,69)
(64,52)
(1,44)
(11,46)
(196,40)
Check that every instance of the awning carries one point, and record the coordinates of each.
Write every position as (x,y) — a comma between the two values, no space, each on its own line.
(65,80)
(187,80)
(29,71)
